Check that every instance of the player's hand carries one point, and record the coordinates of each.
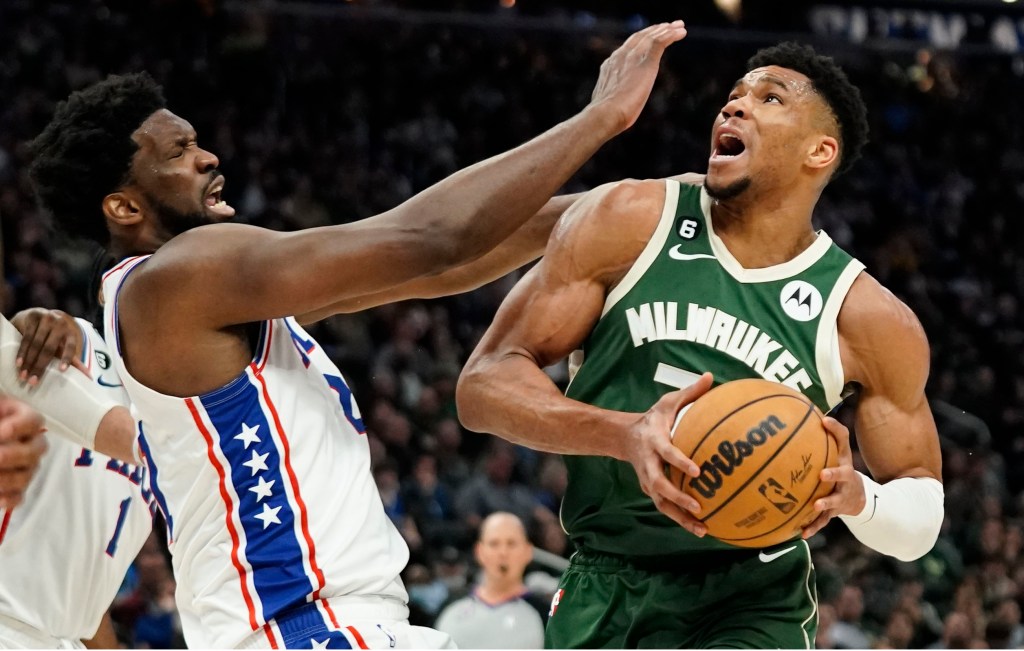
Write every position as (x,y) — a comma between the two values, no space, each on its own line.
(628,75)
(21,447)
(847,497)
(651,448)
(45,335)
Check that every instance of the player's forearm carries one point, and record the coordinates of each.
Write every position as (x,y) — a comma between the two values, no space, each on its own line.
(523,246)
(901,518)
(73,406)
(482,205)
(115,436)
(514,399)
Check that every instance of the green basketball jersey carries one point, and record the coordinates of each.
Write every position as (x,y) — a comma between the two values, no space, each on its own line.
(685,307)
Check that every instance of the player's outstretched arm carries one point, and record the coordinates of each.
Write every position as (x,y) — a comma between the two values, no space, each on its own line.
(250,274)
(899,509)
(503,389)
(524,246)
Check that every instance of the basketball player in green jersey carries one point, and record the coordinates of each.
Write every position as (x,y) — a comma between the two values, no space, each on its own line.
(665,285)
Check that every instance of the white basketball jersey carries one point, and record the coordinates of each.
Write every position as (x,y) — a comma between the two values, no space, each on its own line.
(266,486)
(65,550)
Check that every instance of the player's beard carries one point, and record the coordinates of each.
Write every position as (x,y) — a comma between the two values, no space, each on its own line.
(175,222)
(731,191)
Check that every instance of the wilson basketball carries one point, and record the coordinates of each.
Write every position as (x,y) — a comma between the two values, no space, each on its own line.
(760,447)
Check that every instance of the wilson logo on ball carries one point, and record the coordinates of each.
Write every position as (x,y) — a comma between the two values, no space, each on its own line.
(760,448)
(731,455)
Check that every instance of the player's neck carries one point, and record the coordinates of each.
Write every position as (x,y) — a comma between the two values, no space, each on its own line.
(124,247)
(764,232)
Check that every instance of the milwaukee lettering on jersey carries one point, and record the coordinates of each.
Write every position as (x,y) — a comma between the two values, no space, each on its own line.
(719,330)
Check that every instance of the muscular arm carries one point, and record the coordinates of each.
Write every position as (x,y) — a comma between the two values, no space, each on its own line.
(229,274)
(523,246)
(899,511)
(503,389)
(888,356)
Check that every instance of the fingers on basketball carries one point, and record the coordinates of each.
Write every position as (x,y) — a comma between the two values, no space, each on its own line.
(760,448)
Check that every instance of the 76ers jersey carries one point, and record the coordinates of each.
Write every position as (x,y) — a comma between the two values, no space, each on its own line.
(266,487)
(65,550)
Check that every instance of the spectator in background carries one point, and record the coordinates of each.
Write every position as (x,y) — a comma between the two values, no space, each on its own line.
(385,474)
(500,613)
(492,488)
(429,502)
(453,468)
(956,633)
(146,617)
(847,631)
(1007,616)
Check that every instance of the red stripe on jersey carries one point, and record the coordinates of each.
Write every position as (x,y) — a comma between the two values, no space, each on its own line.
(121,266)
(270,636)
(7,520)
(266,346)
(228,510)
(286,459)
(357,636)
(330,613)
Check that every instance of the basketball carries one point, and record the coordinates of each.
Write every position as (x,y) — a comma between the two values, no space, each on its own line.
(760,447)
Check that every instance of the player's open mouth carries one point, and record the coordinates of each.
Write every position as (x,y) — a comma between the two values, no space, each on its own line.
(728,146)
(214,202)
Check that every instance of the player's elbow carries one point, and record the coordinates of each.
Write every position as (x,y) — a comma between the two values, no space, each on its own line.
(469,399)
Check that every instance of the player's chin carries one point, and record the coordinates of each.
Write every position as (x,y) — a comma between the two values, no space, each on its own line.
(723,185)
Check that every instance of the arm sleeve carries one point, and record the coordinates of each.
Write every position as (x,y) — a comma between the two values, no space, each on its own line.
(72,404)
(901,518)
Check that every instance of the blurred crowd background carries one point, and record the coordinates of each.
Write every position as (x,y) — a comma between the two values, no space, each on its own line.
(328,112)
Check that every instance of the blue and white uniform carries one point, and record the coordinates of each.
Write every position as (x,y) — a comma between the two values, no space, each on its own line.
(65,550)
(277,531)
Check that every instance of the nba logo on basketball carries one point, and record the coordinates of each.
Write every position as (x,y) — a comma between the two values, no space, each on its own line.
(555,600)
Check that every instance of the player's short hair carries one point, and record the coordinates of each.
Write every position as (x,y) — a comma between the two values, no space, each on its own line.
(832,84)
(86,150)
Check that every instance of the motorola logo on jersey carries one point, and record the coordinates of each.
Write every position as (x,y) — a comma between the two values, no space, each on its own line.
(102,359)
(801,300)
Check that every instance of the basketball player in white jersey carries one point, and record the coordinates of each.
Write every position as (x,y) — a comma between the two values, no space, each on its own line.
(255,446)
(65,549)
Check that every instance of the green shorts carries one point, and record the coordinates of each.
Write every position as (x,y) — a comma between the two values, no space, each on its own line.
(744,599)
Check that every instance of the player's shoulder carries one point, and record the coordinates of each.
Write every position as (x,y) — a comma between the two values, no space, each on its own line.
(879,331)
(194,256)
(871,307)
(209,241)
(609,226)
(616,208)
(626,193)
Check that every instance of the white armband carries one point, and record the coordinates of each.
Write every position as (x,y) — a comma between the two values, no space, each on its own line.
(71,403)
(901,518)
